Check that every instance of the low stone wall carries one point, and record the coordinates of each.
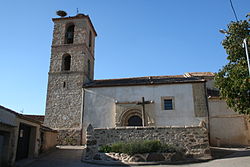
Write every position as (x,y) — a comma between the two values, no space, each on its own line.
(69,137)
(194,140)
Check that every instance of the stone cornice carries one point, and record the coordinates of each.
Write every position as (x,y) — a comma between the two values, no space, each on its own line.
(65,72)
(73,45)
(67,45)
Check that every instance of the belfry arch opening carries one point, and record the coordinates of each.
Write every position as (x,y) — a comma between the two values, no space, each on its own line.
(69,34)
(66,61)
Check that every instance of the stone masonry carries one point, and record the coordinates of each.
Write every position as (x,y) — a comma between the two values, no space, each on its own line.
(69,137)
(64,94)
(193,139)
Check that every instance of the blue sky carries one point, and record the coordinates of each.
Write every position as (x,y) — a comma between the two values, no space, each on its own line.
(135,38)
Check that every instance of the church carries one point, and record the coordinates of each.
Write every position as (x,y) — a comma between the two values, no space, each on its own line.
(75,99)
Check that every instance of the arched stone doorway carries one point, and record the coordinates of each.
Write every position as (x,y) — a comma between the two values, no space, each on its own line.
(135,120)
(131,117)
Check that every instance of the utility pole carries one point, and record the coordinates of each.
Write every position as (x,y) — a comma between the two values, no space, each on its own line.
(246,48)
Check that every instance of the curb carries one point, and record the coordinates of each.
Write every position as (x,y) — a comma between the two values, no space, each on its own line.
(115,163)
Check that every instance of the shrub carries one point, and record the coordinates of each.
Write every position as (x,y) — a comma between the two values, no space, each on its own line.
(139,147)
(105,149)
(169,148)
(118,147)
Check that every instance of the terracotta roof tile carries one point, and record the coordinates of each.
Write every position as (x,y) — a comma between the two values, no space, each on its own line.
(36,117)
(149,80)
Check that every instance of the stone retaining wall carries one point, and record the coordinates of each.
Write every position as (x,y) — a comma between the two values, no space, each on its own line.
(193,139)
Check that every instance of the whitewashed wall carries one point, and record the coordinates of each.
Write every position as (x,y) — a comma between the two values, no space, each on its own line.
(99,104)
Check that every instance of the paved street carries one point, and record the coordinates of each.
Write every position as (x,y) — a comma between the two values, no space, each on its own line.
(70,157)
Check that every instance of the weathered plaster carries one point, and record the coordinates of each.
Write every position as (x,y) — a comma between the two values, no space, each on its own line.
(9,148)
(227,128)
(200,100)
(12,133)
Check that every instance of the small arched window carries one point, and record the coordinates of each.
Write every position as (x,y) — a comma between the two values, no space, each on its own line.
(66,62)
(69,34)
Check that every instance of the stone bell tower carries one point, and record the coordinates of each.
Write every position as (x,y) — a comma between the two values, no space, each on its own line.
(71,65)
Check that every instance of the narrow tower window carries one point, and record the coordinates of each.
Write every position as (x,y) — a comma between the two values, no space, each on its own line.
(90,39)
(66,62)
(69,35)
(64,84)
(88,68)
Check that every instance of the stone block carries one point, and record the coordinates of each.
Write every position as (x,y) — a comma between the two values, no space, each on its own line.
(153,157)
(137,158)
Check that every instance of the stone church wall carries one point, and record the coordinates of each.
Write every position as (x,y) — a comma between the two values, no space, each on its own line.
(64,94)
(69,136)
(193,139)
(63,109)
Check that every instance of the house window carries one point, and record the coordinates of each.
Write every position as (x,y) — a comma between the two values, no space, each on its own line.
(66,62)
(167,103)
(69,35)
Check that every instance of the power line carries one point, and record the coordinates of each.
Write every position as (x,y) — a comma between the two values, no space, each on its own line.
(233,10)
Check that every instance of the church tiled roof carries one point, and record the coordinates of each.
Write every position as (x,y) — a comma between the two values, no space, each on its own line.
(150,80)
(199,74)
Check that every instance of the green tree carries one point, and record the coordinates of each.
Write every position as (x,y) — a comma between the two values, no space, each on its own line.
(233,79)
